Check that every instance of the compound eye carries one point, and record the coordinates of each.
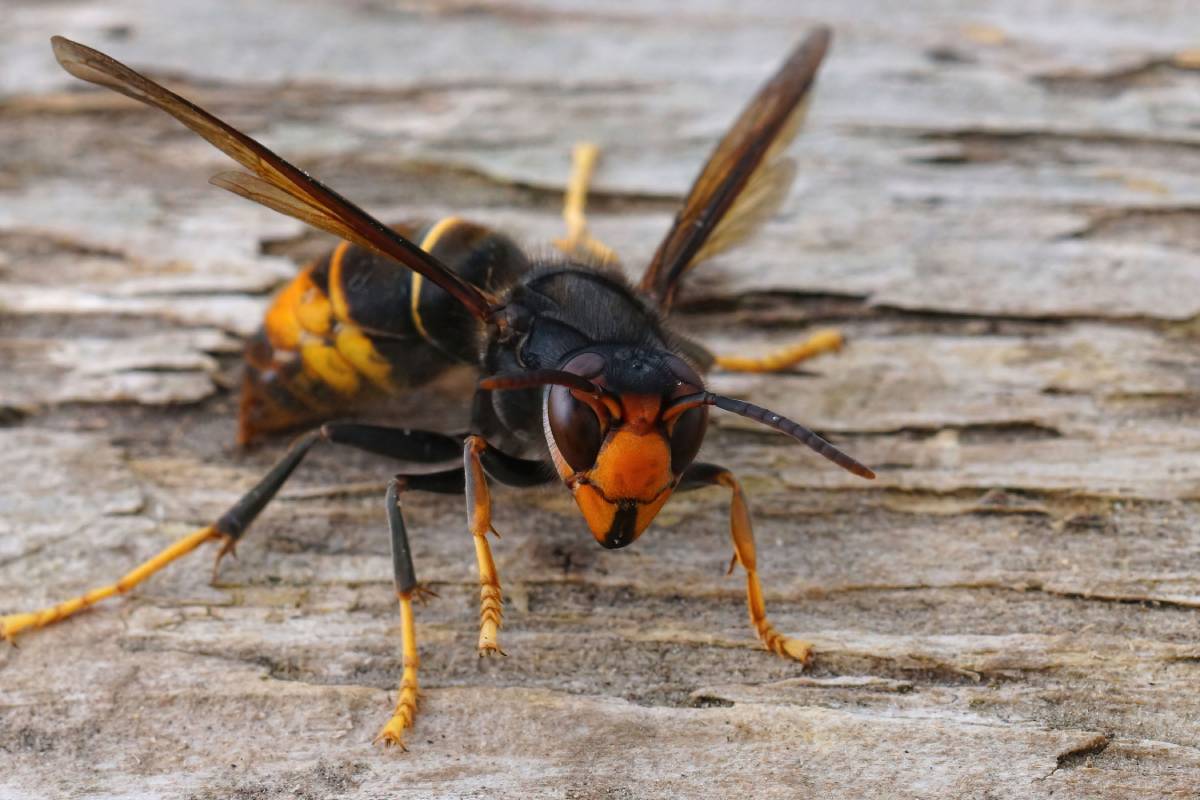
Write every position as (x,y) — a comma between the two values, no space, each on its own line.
(687,377)
(686,437)
(576,429)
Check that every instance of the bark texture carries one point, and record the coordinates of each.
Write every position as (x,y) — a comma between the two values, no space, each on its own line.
(998,205)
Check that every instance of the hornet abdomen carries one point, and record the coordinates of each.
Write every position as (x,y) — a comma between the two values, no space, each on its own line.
(354,324)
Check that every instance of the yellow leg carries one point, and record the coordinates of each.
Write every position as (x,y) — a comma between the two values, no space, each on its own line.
(406,704)
(479,519)
(743,549)
(13,624)
(823,341)
(578,241)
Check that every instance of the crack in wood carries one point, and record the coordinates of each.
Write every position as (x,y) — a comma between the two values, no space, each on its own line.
(1081,755)
(1140,74)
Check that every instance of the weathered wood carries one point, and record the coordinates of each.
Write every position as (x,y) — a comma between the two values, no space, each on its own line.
(998,207)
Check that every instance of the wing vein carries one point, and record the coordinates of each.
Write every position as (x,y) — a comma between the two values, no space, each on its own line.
(275,183)
(745,180)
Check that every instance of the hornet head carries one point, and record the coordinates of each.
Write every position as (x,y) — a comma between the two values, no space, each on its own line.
(624,423)
(616,444)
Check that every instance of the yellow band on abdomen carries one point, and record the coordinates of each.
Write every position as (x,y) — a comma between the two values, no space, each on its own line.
(427,244)
(337,297)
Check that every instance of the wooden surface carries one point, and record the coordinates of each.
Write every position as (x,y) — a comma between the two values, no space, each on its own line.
(998,207)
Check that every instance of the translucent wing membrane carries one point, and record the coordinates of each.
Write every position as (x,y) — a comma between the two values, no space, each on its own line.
(267,194)
(746,179)
(274,182)
(759,201)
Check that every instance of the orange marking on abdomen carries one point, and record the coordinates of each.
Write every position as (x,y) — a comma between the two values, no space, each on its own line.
(314,359)
(327,365)
(354,346)
(315,313)
(282,324)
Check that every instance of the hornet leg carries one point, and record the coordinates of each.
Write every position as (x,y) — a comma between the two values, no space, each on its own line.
(407,589)
(826,340)
(578,241)
(699,475)
(480,460)
(504,468)
(405,445)
(12,624)
(479,456)
(479,521)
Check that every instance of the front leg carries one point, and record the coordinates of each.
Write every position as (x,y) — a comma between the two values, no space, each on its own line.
(699,475)
(479,521)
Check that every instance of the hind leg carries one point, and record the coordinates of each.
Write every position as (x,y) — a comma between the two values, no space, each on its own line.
(404,445)
(579,242)
(826,340)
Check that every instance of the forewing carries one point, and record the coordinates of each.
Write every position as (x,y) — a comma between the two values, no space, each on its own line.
(757,203)
(275,183)
(267,194)
(745,179)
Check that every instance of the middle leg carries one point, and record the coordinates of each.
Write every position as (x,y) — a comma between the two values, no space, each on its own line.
(407,589)
(478,456)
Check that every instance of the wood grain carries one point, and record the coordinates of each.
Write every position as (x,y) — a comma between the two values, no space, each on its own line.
(999,209)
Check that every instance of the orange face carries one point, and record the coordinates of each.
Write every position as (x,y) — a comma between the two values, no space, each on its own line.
(619,458)
(630,478)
